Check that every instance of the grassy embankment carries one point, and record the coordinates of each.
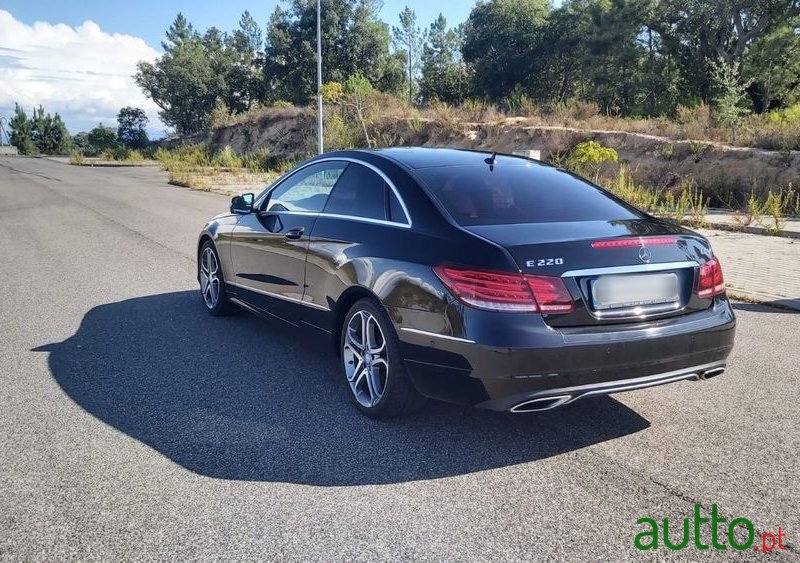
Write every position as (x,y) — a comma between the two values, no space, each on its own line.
(200,167)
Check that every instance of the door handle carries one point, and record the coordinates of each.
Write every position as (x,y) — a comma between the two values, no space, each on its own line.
(295,233)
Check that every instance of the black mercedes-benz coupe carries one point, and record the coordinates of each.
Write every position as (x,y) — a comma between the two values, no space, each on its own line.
(476,278)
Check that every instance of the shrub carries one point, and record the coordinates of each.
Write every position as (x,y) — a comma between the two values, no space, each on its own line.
(220,116)
(774,206)
(788,117)
(624,186)
(226,158)
(257,161)
(584,110)
(700,114)
(479,111)
(590,155)
(519,104)
(134,156)
(332,92)
(76,157)
(694,201)
(341,134)
(792,201)
(121,153)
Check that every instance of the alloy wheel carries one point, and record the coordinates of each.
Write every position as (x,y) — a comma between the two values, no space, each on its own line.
(365,358)
(209,278)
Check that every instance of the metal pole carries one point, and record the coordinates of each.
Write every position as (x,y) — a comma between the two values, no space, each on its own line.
(319,77)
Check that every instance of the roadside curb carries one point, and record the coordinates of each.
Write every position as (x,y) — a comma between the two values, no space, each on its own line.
(114,165)
(763,299)
(738,229)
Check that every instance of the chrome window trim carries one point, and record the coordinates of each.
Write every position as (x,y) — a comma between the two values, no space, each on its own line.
(348,217)
(407,224)
(634,268)
(435,335)
(279,296)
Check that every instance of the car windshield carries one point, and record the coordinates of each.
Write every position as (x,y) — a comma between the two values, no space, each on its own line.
(520,193)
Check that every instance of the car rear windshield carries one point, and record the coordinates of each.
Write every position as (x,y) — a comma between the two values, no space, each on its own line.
(520,193)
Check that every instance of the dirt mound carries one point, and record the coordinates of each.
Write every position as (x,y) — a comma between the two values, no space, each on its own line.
(726,173)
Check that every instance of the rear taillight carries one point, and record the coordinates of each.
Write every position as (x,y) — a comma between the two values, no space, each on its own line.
(515,293)
(635,241)
(710,281)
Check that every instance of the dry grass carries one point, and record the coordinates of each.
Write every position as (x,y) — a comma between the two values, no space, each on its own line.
(228,182)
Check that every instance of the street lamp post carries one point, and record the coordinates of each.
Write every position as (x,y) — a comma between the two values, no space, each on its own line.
(319,77)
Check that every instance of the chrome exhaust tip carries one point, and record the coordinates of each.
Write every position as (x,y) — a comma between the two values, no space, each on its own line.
(541,404)
(714,372)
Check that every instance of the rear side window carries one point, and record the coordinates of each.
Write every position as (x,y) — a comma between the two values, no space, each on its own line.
(396,212)
(360,192)
(520,193)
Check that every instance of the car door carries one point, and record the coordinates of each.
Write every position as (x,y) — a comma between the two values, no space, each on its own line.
(269,246)
(354,238)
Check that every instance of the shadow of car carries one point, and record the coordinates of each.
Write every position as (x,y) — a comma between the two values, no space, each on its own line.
(238,398)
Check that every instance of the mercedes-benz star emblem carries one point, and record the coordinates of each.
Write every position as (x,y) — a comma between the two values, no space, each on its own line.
(644,255)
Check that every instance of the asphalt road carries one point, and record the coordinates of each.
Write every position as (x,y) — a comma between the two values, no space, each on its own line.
(135,426)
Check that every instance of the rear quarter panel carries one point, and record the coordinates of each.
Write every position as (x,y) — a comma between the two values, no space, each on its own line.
(392,263)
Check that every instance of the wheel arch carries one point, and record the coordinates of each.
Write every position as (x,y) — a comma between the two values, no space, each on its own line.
(348,298)
(205,237)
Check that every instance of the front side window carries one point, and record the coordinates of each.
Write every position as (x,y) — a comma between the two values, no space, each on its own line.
(306,190)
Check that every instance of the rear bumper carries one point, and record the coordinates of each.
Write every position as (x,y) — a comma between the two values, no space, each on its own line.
(568,363)
(551,398)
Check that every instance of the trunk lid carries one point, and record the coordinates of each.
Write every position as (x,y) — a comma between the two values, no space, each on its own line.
(651,278)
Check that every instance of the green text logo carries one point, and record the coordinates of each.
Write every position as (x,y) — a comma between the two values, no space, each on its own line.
(652,537)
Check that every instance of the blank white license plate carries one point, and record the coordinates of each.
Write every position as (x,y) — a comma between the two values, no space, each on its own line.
(614,292)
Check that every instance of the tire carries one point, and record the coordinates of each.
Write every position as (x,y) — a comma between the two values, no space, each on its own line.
(382,387)
(215,301)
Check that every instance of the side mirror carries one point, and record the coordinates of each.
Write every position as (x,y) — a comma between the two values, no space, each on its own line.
(242,204)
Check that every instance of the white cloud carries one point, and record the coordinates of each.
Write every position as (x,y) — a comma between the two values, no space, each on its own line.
(81,72)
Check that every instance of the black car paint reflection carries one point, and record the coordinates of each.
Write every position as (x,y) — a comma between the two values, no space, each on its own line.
(309,267)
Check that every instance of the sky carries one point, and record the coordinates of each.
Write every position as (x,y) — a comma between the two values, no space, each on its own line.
(77,58)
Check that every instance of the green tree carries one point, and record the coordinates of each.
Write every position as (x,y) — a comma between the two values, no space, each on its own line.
(445,77)
(590,156)
(50,133)
(729,94)
(249,34)
(357,90)
(354,41)
(773,64)
(132,127)
(408,38)
(244,77)
(185,83)
(500,41)
(615,59)
(21,135)
(179,31)
(81,141)
(41,133)
(699,32)
(103,138)
(198,71)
